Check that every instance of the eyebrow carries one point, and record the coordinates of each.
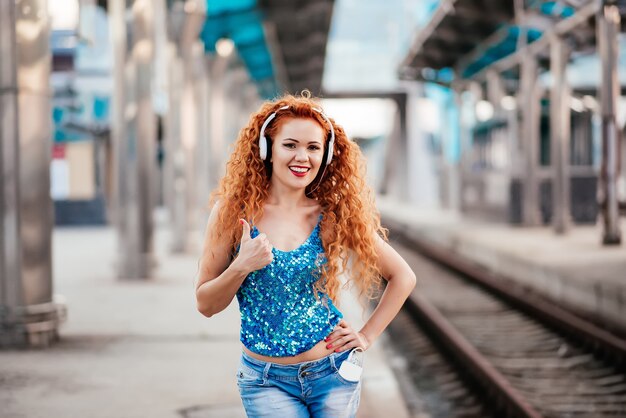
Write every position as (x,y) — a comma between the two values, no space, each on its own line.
(295,140)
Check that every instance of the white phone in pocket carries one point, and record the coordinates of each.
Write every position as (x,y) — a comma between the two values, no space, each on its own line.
(352,367)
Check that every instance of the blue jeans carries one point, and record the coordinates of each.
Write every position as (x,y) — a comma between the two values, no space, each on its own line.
(301,390)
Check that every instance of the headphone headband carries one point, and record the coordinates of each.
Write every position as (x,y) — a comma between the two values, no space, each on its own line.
(263,140)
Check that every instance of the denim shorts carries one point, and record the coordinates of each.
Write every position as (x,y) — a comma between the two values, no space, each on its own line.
(301,390)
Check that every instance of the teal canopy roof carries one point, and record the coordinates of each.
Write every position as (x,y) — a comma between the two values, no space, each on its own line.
(469,35)
(241,21)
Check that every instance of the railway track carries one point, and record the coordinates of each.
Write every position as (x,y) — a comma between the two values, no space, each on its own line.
(518,355)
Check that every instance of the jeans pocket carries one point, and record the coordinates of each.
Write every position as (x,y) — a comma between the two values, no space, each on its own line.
(249,377)
(348,371)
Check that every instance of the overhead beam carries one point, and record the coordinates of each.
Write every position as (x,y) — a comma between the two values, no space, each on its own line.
(560,29)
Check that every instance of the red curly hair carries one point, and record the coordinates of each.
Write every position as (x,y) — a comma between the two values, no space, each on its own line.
(350,219)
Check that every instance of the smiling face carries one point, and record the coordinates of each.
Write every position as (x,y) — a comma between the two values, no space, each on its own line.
(297,151)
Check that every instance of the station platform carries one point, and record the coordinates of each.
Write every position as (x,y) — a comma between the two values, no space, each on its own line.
(574,270)
(140,349)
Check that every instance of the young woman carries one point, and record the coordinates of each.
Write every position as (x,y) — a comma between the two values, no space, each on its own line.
(292,216)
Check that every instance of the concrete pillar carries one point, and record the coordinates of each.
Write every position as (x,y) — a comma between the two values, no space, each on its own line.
(415,160)
(187,128)
(28,314)
(192,114)
(608,25)
(119,127)
(449,138)
(560,135)
(10,237)
(122,112)
(495,89)
(448,111)
(463,143)
(146,131)
(389,184)
(203,156)
(217,114)
(529,133)
(134,137)
(174,164)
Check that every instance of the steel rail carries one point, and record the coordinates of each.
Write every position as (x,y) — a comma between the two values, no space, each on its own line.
(600,341)
(508,399)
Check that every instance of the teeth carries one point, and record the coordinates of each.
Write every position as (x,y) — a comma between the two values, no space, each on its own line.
(299,169)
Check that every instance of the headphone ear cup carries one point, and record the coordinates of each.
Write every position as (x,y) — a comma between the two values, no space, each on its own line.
(325,155)
(268,147)
(328,155)
(263,148)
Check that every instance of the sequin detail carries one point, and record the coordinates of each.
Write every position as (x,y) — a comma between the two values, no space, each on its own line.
(280,315)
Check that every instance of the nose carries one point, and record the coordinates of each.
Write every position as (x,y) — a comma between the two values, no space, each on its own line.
(301,154)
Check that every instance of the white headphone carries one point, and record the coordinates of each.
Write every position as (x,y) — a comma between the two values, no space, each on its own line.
(263,140)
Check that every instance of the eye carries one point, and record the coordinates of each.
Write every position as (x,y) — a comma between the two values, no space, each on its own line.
(314,147)
(290,145)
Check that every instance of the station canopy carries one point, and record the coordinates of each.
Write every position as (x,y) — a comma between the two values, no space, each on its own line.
(281,42)
(465,36)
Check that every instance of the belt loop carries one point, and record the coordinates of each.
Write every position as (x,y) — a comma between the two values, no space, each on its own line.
(266,371)
(332,361)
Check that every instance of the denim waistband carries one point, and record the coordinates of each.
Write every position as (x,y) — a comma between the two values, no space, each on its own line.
(313,368)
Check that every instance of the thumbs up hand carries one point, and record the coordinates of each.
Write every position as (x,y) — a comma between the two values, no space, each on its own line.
(254,253)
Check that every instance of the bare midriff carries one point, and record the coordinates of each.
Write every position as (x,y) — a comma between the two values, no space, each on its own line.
(318,351)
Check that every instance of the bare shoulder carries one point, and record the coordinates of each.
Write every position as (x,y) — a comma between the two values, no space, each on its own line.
(215,210)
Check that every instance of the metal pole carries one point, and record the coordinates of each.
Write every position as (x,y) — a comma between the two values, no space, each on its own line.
(143,58)
(134,136)
(10,238)
(185,126)
(608,24)
(217,70)
(530,108)
(203,155)
(175,161)
(28,314)
(119,131)
(460,165)
(413,160)
(560,135)
(189,137)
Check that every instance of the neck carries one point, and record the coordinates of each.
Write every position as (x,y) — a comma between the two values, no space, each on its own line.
(285,197)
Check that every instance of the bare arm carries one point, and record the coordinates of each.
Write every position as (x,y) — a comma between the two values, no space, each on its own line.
(400,282)
(218,281)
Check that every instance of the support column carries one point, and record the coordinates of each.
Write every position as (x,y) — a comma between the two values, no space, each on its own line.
(560,135)
(146,132)
(608,24)
(495,89)
(460,165)
(175,186)
(531,110)
(203,157)
(189,164)
(10,239)
(119,132)
(134,137)
(217,112)
(191,135)
(414,160)
(28,314)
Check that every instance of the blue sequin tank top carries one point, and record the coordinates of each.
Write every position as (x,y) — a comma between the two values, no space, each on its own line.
(280,314)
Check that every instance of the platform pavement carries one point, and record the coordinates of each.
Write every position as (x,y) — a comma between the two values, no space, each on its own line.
(574,270)
(140,349)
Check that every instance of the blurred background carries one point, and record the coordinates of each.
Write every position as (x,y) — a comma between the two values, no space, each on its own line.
(494,133)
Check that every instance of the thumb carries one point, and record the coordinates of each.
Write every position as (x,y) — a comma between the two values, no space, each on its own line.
(245,235)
